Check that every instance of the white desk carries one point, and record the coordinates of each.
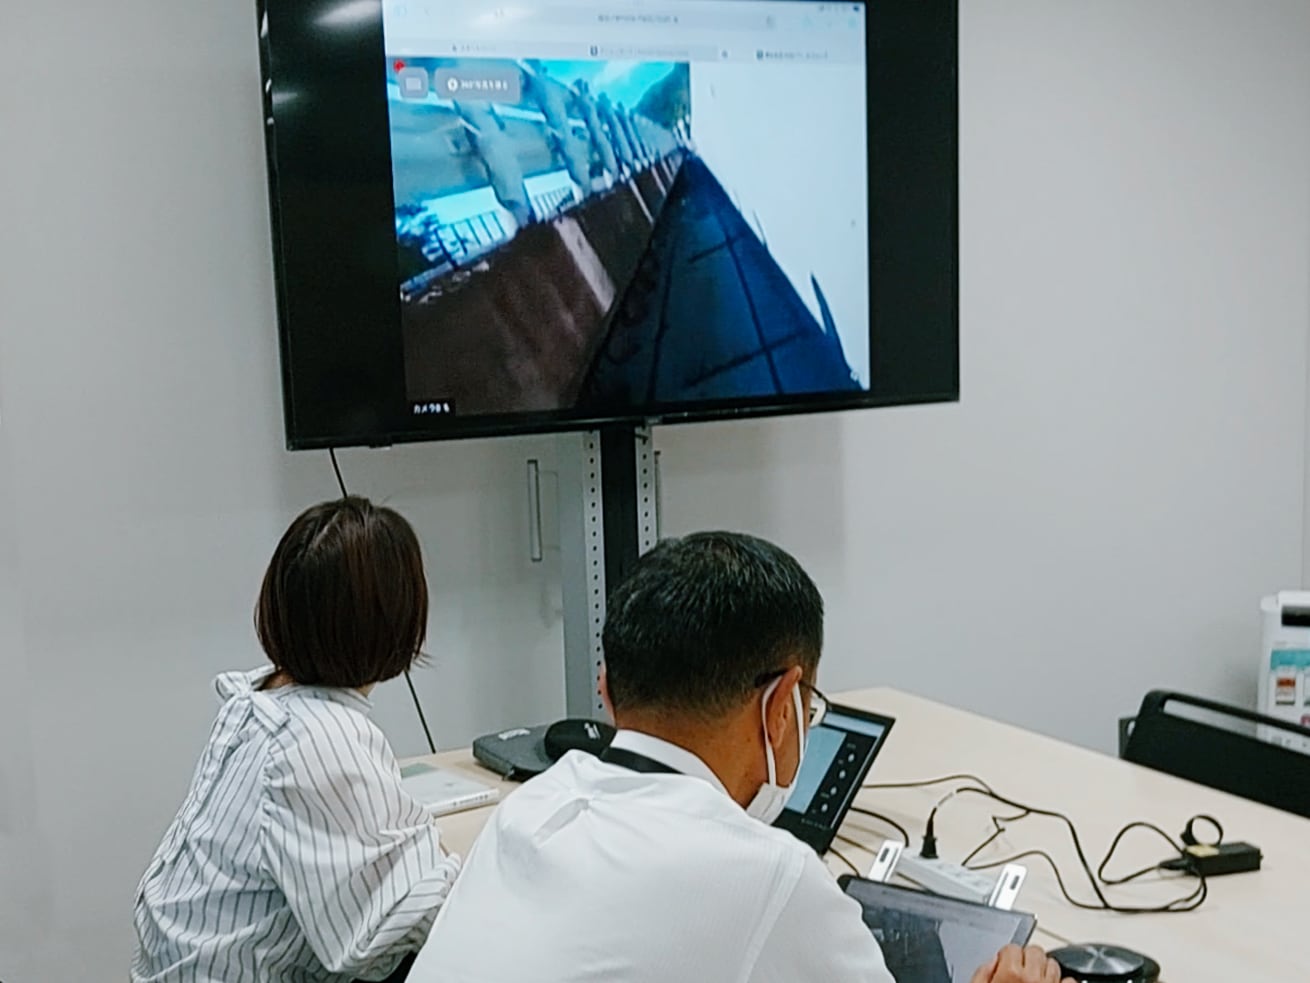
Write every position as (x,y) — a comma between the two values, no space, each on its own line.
(1249,928)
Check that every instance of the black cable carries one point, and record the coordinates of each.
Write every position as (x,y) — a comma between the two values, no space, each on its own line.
(932,781)
(998,822)
(840,856)
(999,827)
(422,719)
(929,843)
(1188,903)
(1073,832)
(1100,871)
(1128,878)
(905,835)
(982,846)
(996,833)
(852,841)
(332,453)
(960,777)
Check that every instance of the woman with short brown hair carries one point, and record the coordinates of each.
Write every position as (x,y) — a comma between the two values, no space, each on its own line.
(297,854)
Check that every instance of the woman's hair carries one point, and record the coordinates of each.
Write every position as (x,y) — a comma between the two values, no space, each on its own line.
(344,601)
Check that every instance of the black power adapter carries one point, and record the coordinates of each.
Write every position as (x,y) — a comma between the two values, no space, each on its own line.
(1215,860)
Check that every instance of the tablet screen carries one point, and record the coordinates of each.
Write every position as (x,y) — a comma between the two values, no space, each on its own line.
(838,754)
(931,939)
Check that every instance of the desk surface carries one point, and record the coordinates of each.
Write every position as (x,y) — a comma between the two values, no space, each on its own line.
(1248,929)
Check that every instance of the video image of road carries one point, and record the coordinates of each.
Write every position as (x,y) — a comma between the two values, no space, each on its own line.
(595,235)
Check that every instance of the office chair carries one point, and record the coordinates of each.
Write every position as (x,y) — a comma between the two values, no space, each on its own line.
(1209,754)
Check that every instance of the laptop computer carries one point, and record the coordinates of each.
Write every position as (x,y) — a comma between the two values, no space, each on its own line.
(838,756)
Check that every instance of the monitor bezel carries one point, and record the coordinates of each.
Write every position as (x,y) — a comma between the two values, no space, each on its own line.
(377,416)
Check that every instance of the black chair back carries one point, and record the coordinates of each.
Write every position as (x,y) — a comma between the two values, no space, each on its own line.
(1212,755)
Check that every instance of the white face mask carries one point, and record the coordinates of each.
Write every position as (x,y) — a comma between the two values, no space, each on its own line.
(770,800)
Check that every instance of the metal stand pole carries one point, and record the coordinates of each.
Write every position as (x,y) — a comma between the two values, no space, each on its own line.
(609,516)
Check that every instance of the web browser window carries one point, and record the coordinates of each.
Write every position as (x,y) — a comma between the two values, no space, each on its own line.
(680,188)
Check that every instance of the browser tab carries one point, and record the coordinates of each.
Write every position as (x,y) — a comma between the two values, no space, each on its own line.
(413,83)
(489,84)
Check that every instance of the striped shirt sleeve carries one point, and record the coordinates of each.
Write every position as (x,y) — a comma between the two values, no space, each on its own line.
(358,859)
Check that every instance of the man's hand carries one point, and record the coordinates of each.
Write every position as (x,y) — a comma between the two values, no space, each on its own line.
(1015,965)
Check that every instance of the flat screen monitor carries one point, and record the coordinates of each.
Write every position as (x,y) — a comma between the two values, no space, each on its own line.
(495,216)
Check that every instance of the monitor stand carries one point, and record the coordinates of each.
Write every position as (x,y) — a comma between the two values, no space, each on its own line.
(609,516)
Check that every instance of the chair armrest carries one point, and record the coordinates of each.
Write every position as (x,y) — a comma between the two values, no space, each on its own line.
(1125,732)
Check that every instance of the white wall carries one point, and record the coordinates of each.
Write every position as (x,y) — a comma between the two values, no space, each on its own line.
(1123,477)
(19,863)
(142,418)
(1122,480)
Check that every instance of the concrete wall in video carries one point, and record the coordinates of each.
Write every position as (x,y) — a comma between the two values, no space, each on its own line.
(564,244)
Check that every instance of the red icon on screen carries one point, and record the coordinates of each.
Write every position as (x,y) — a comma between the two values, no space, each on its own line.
(399,66)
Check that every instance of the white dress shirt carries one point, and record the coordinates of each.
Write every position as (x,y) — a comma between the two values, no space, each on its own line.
(296,855)
(592,873)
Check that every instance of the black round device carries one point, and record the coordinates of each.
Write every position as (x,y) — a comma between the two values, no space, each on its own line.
(592,736)
(1105,964)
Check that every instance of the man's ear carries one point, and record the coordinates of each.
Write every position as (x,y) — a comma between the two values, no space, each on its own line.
(780,707)
(604,688)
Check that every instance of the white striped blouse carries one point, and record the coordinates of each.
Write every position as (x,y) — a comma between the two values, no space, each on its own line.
(296,855)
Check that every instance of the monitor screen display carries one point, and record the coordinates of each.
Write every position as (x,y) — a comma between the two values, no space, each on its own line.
(512,216)
(834,754)
(838,755)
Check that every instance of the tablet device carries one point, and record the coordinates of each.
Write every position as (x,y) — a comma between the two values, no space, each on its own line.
(838,755)
(931,939)
(442,792)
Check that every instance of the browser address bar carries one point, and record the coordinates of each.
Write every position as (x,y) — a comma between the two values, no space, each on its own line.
(476,18)
(667,17)
(654,52)
(517,48)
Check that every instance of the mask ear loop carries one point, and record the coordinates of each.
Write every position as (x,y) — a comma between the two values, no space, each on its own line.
(764,727)
(802,729)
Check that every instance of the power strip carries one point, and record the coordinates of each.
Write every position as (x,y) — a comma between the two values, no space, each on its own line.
(944,877)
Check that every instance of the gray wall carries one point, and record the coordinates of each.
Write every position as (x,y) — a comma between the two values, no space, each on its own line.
(1122,481)
(142,454)
(1123,478)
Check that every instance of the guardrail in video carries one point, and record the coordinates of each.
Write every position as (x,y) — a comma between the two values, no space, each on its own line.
(563,246)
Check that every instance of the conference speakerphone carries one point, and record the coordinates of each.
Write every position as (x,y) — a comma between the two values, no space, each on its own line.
(838,755)
(521,753)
